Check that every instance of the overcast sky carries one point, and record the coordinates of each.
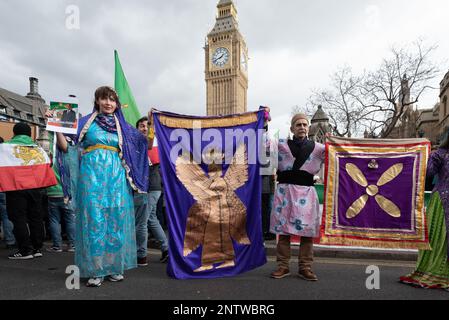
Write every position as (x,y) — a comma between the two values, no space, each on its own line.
(294,47)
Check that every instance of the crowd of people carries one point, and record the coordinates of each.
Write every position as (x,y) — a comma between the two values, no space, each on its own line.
(110,173)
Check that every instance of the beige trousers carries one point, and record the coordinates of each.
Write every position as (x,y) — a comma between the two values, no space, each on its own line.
(305,258)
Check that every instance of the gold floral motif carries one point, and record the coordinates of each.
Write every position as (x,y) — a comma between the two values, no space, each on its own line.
(373,190)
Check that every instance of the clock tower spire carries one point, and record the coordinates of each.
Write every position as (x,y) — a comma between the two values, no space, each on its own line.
(226,64)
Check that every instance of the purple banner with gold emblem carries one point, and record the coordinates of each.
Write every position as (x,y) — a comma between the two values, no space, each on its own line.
(374,194)
(212,187)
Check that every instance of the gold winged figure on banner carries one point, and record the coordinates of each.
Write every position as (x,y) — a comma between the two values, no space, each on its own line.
(218,215)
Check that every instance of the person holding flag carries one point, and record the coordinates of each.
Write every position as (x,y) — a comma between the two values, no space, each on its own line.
(145,205)
(296,209)
(24,171)
(114,162)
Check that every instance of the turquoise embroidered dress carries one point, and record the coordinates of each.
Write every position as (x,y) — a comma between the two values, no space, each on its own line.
(105,231)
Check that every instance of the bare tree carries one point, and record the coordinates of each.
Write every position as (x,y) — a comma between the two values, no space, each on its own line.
(308,110)
(375,101)
(341,102)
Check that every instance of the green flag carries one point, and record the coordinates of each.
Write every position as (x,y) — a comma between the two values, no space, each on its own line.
(129,106)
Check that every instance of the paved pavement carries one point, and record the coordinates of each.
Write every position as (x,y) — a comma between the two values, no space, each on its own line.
(353,253)
(44,278)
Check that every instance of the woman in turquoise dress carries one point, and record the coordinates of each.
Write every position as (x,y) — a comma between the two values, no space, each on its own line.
(111,166)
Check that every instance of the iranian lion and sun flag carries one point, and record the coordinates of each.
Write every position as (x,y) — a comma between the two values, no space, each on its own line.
(24,166)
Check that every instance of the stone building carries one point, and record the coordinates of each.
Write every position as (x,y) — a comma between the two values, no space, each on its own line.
(433,123)
(17,108)
(406,125)
(319,126)
(429,123)
(443,118)
(226,64)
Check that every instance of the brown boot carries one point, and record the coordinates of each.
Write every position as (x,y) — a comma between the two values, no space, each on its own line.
(307,274)
(280,273)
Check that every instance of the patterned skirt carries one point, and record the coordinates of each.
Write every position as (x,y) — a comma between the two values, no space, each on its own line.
(296,211)
(432,268)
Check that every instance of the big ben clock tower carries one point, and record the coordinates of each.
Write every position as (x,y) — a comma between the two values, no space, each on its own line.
(226,64)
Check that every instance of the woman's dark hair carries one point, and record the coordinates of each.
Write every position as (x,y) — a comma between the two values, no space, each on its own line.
(445,142)
(143,119)
(105,92)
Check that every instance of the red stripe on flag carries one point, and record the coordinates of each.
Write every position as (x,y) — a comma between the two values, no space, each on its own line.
(26,177)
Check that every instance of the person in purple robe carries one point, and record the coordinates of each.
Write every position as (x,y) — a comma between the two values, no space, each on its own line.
(432,268)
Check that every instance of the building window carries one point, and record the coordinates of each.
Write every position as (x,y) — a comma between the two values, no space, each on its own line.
(17,113)
(30,117)
(3,109)
(42,120)
(445,106)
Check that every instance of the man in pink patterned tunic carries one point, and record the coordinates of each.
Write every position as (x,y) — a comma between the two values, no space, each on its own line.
(296,209)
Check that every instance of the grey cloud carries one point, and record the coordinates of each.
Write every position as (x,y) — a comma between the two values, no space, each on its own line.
(160,44)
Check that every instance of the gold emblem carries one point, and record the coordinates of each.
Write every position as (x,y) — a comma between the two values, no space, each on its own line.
(218,215)
(29,155)
(373,190)
(125,105)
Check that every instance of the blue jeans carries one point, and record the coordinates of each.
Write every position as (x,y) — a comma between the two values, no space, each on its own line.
(58,210)
(8,236)
(141,213)
(153,222)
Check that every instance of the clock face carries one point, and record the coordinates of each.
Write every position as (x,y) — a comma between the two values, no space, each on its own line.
(220,57)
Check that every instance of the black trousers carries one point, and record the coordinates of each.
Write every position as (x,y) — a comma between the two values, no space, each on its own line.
(25,212)
(266,204)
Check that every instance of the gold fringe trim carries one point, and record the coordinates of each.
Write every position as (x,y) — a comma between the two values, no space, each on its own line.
(87,126)
(374,244)
(229,121)
(430,277)
(427,280)
(332,177)
(389,142)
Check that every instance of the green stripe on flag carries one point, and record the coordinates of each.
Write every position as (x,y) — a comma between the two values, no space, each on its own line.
(129,106)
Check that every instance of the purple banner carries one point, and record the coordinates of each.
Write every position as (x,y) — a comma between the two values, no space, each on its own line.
(212,189)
